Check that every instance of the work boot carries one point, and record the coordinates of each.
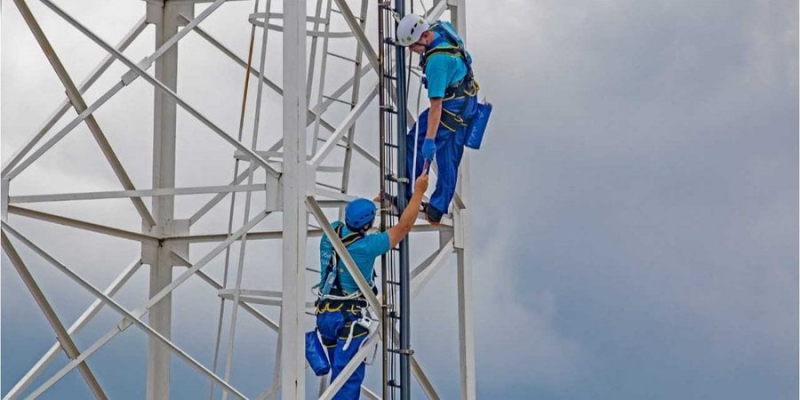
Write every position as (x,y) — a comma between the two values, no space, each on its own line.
(433,215)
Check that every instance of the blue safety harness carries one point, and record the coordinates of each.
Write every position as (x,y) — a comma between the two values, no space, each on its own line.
(464,89)
(330,278)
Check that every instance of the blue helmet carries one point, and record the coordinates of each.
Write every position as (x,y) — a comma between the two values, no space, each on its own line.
(359,213)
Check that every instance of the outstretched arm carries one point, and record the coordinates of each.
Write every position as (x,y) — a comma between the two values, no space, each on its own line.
(406,222)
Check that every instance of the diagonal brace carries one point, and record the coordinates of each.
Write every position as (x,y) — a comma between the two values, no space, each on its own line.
(77,101)
(129,316)
(65,104)
(61,333)
(76,327)
(163,88)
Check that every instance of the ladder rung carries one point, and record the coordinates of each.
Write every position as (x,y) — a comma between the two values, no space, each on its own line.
(339,100)
(390,213)
(402,351)
(387,76)
(392,145)
(389,282)
(393,178)
(343,57)
(389,109)
(393,383)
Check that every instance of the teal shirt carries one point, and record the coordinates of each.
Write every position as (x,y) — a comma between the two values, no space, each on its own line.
(364,252)
(443,70)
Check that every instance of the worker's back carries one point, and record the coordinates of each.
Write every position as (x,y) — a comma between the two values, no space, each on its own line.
(364,252)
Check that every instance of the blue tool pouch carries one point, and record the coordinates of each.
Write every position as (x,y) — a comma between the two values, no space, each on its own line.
(316,354)
(477,127)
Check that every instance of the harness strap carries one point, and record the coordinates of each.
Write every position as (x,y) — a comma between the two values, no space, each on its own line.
(335,259)
(466,88)
(330,283)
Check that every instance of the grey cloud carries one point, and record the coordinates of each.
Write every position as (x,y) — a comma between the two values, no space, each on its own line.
(634,204)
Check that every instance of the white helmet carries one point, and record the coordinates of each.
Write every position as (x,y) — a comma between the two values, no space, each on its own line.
(410,29)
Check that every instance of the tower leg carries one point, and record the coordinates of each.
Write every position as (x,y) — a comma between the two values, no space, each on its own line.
(295,219)
(466,332)
(165,18)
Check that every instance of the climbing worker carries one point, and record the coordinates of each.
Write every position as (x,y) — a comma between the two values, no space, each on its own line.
(342,325)
(443,128)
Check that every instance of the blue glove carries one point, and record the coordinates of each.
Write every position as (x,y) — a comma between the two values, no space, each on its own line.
(428,149)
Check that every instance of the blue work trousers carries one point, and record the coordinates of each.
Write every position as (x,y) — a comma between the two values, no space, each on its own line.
(449,150)
(334,326)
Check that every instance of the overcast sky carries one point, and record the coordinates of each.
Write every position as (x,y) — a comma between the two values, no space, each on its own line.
(634,206)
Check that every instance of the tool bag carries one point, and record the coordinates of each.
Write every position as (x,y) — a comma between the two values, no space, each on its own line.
(316,354)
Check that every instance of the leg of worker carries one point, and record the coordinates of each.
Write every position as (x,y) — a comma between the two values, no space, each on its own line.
(351,390)
(329,324)
(413,170)
(449,150)
(448,157)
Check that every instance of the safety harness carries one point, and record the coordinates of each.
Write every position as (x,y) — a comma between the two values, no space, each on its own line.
(467,87)
(331,287)
(332,298)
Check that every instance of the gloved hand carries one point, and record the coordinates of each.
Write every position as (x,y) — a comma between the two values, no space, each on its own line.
(428,149)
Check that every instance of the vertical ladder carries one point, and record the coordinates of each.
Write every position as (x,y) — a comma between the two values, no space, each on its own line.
(395,277)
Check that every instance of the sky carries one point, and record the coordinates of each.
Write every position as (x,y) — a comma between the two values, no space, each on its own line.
(634,205)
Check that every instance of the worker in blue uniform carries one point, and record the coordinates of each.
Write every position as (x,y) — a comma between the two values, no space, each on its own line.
(341,322)
(452,91)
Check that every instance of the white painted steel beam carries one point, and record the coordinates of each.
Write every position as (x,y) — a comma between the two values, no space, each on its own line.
(270,235)
(129,317)
(141,311)
(160,86)
(79,104)
(423,380)
(267,301)
(122,194)
(76,327)
(203,261)
(425,274)
(255,20)
(126,79)
(417,370)
(295,216)
(88,226)
(252,311)
(215,200)
(216,285)
(436,12)
(165,112)
(354,98)
(65,104)
(334,195)
(351,366)
(270,84)
(348,121)
(361,36)
(466,294)
(62,336)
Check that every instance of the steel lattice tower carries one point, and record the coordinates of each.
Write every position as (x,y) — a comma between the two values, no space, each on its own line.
(282,183)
